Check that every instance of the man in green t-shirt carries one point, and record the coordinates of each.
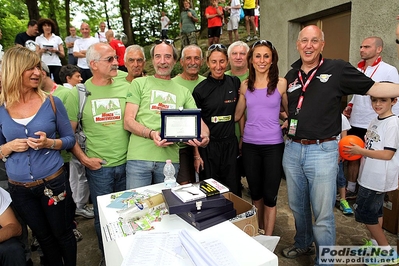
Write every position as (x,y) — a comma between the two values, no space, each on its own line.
(188,18)
(147,152)
(102,122)
(191,61)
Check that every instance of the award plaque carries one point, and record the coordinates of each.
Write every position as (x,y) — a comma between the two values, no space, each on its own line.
(180,125)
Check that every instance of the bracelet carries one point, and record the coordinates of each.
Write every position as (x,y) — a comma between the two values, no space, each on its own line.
(285,119)
(149,134)
(4,159)
(142,133)
(197,157)
(53,145)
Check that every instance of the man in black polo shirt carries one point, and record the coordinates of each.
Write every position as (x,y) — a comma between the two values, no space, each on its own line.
(29,34)
(315,88)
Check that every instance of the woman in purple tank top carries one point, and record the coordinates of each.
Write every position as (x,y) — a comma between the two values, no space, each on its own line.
(263,95)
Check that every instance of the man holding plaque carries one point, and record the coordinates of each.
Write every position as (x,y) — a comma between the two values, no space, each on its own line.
(147,96)
(191,61)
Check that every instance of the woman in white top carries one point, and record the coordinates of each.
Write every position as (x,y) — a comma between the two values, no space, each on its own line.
(50,47)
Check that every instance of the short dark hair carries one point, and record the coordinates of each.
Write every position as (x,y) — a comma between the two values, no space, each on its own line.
(32,22)
(43,21)
(67,71)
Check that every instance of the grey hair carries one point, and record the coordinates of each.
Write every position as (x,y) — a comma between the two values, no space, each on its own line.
(236,44)
(134,47)
(189,47)
(175,52)
(92,54)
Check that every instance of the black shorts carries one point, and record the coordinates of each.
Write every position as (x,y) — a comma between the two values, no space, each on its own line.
(214,32)
(357,131)
(249,12)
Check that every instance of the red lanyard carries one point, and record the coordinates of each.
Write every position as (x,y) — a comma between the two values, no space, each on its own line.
(54,88)
(304,86)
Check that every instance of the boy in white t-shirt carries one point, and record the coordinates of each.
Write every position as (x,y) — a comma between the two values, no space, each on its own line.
(379,169)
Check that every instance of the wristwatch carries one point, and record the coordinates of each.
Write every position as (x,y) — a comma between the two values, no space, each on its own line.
(397,41)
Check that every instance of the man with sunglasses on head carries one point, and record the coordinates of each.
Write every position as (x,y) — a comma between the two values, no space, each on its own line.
(79,50)
(147,152)
(315,88)
(191,62)
(102,122)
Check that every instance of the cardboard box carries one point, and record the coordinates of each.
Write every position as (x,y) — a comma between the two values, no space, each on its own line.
(391,212)
(246,218)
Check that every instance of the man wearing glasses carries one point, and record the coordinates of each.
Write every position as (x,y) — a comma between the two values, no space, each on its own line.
(147,152)
(79,50)
(102,122)
(315,88)
(134,62)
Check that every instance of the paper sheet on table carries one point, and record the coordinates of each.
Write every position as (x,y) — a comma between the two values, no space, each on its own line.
(209,252)
(156,248)
(269,242)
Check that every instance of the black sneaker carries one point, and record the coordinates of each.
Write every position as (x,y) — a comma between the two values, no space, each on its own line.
(350,195)
(293,252)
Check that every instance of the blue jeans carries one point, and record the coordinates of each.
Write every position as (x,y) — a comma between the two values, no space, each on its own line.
(52,224)
(341,180)
(101,182)
(311,172)
(144,173)
(12,252)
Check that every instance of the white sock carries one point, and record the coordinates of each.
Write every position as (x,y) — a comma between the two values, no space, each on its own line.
(351,186)
(374,242)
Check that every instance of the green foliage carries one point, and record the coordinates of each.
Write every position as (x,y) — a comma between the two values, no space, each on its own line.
(13,19)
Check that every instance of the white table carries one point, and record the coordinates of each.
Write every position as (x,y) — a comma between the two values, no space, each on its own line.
(244,249)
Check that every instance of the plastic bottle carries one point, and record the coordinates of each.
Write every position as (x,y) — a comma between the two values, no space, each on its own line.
(169,172)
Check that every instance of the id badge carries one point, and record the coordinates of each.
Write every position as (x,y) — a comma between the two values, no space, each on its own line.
(292,127)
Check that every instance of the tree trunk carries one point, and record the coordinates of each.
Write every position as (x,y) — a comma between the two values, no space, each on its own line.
(33,9)
(204,21)
(126,21)
(67,16)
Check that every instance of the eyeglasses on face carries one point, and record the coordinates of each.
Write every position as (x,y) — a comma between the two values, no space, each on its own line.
(263,42)
(216,45)
(166,41)
(312,41)
(110,59)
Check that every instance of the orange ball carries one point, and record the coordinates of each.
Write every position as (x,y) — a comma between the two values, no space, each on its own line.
(346,141)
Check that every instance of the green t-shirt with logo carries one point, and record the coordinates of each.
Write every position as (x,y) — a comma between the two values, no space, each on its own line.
(151,95)
(102,121)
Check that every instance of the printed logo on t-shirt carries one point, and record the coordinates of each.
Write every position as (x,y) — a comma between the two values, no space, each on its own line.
(294,86)
(106,110)
(324,77)
(372,136)
(162,100)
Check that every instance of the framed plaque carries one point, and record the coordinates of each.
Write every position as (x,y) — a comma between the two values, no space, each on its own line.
(180,125)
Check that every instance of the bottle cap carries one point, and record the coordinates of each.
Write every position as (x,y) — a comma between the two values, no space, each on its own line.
(168,161)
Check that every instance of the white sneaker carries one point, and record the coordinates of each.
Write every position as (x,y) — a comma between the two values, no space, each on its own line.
(255,37)
(86,212)
(248,38)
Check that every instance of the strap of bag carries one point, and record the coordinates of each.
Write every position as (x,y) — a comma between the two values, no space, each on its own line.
(83,93)
(53,105)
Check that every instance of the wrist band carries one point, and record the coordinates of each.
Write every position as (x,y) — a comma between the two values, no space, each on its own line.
(197,157)
(4,159)
(53,145)
(149,134)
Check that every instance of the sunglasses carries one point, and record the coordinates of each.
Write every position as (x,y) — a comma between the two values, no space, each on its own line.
(166,41)
(110,59)
(215,46)
(263,42)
